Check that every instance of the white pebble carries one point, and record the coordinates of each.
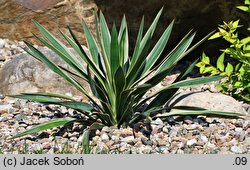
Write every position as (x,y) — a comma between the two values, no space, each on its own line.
(204,139)
(191,142)
(236,149)
(2,43)
(238,129)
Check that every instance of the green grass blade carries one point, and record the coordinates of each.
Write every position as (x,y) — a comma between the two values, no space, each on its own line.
(37,54)
(141,52)
(151,30)
(85,137)
(78,47)
(137,46)
(57,45)
(105,58)
(137,69)
(194,81)
(198,43)
(163,97)
(61,96)
(46,98)
(158,48)
(37,98)
(124,47)
(105,35)
(177,54)
(119,80)
(77,106)
(123,27)
(185,83)
(168,62)
(93,48)
(186,110)
(114,53)
(45,126)
(72,64)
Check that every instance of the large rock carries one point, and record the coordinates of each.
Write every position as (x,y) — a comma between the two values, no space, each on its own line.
(16,16)
(25,74)
(207,100)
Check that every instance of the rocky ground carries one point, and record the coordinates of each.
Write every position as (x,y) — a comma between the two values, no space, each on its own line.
(198,135)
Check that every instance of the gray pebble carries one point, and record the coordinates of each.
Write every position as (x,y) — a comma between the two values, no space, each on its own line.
(188,119)
(170,120)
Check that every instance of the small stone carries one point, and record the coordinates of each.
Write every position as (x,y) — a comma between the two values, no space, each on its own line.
(101,148)
(123,146)
(188,119)
(158,121)
(191,142)
(196,132)
(95,140)
(247,141)
(238,129)
(129,139)
(156,129)
(5,108)
(46,146)
(145,141)
(181,145)
(105,137)
(197,120)
(170,120)
(246,124)
(211,146)
(110,143)
(74,139)
(180,151)
(204,138)
(2,43)
(237,149)
(71,135)
(115,138)
(163,148)
(23,125)
(106,129)
(161,142)
(191,126)
(125,132)
(138,144)
(3,119)
(147,149)
(165,129)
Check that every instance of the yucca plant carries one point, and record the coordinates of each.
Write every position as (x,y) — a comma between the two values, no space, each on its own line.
(116,79)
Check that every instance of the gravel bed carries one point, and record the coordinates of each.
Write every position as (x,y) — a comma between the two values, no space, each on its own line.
(176,135)
(196,135)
